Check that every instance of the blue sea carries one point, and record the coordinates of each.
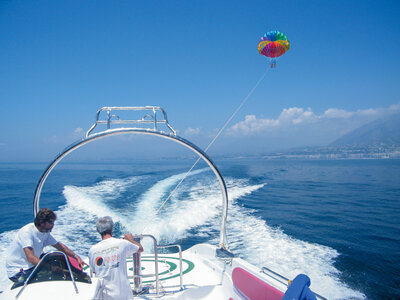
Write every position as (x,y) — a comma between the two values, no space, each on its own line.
(338,221)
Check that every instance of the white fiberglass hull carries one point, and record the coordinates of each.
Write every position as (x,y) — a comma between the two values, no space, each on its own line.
(204,276)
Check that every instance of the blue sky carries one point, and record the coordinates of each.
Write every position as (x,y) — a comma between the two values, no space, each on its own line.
(60,61)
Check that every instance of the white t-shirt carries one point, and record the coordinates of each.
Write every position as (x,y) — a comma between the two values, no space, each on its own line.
(107,259)
(27,236)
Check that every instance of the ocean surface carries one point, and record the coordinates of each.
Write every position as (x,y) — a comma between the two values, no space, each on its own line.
(338,221)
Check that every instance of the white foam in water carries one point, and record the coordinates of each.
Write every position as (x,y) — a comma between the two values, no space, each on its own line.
(89,203)
(181,215)
(262,245)
(150,201)
(5,240)
(91,199)
(197,207)
(251,238)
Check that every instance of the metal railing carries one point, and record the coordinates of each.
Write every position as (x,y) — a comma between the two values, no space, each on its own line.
(137,284)
(40,263)
(283,279)
(137,265)
(180,261)
(146,119)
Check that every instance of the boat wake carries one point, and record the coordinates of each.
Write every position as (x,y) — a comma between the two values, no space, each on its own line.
(192,211)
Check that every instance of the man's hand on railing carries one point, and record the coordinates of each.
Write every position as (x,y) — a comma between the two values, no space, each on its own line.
(129,237)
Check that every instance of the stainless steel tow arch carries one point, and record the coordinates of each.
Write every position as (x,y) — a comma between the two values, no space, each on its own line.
(120,131)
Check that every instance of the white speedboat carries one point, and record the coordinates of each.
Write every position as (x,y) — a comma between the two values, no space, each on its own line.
(203,271)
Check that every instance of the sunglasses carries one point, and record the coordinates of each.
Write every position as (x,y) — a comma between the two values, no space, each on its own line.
(50,222)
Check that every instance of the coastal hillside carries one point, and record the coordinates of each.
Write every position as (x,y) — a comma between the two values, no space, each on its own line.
(384,132)
(379,139)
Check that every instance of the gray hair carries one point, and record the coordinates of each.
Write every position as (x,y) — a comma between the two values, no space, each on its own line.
(105,225)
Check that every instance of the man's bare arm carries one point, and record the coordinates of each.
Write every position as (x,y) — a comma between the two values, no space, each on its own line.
(61,247)
(30,256)
(129,237)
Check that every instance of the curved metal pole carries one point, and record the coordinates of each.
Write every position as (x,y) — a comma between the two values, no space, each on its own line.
(40,263)
(119,131)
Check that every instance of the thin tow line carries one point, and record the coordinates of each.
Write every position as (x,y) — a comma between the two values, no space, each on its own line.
(236,111)
(209,145)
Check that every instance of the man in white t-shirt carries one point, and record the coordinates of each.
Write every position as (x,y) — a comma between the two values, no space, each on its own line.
(107,259)
(25,250)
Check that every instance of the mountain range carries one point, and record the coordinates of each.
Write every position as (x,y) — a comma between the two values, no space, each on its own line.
(379,139)
(384,132)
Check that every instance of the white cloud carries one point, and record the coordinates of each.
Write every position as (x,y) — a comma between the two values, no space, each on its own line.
(78,130)
(288,117)
(192,131)
(295,118)
(395,107)
(78,133)
(334,113)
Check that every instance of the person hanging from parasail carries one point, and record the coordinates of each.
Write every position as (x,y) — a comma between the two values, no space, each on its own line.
(273,44)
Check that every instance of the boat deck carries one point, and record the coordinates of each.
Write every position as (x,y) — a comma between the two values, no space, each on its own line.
(201,278)
(206,274)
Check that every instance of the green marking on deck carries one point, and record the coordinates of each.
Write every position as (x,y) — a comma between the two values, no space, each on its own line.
(187,270)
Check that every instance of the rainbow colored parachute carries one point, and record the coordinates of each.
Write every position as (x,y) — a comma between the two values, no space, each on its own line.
(273,44)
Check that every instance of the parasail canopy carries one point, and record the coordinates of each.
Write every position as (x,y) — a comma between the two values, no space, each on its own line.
(273,44)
